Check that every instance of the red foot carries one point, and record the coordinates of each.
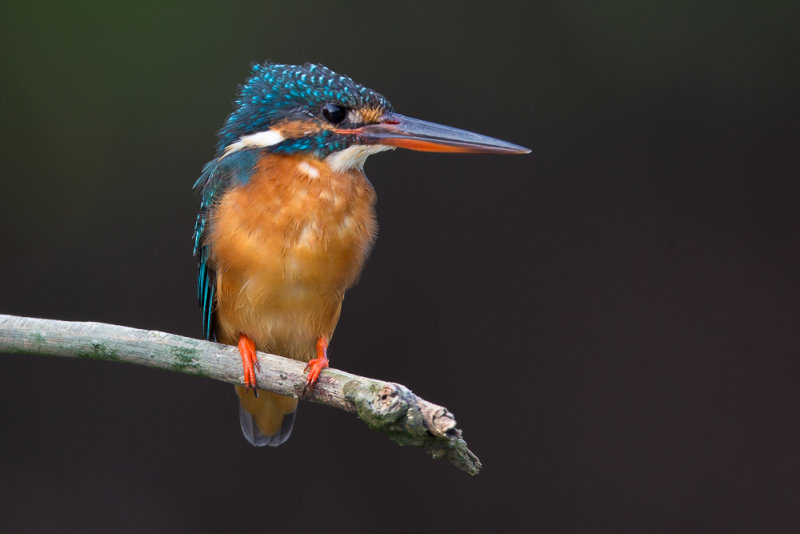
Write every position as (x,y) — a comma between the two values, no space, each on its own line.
(247,349)
(316,365)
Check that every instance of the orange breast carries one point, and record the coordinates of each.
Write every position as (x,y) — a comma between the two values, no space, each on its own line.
(286,246)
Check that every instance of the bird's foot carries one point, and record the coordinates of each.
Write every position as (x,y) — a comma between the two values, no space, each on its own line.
(247,349)
(316,365)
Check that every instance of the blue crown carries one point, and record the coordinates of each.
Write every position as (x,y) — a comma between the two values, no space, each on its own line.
(276,92)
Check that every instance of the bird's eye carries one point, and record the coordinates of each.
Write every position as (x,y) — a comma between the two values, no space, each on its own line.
(334,113)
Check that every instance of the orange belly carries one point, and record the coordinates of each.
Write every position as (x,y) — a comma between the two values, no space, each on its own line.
(285,247)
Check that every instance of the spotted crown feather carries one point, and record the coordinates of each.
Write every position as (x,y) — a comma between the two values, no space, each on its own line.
(276,91)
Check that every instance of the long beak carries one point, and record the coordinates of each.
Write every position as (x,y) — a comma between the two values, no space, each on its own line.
(415,134)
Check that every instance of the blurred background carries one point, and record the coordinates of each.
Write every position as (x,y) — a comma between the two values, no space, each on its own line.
(613,319)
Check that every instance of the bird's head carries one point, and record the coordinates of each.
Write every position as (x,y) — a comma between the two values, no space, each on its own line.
(311,110)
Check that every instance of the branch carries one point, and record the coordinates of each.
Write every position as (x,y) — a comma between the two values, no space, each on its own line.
(391,409)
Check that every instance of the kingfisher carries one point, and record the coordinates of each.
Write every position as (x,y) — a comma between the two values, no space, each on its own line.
(287,219)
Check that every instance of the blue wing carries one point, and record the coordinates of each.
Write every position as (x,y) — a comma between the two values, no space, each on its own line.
(206,276)
(217,177)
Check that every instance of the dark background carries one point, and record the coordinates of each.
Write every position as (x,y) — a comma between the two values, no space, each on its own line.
(613,319)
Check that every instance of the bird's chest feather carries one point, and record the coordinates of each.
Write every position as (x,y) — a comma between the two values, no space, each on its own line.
(287,244)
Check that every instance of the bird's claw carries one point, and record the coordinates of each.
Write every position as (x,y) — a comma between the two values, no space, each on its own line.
(315,366)
(247,350)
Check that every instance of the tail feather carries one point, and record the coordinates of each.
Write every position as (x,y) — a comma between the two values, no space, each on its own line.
(254,435)
(266,420)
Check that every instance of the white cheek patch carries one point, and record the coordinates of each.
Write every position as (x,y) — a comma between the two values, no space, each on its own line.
(353,157)
(256,140)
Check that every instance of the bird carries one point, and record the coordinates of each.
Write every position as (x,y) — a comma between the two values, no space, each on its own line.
(287,219)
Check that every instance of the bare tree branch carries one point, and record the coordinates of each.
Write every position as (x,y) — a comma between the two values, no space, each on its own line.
(391,409)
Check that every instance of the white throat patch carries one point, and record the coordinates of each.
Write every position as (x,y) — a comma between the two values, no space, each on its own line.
(353,157)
